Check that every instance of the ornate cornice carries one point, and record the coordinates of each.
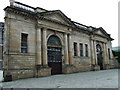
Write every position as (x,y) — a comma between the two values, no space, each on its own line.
(20,11)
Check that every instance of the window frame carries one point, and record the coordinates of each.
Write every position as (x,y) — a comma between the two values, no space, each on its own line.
(75,49)
(81,49)
(86,50)
(24,48)
(109,55)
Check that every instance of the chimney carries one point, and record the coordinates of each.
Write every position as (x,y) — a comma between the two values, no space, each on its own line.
(11,2)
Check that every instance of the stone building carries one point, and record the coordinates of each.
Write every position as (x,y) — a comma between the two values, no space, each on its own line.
(1,43)
(39,42)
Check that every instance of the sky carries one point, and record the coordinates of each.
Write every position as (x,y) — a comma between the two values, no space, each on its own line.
(96,13)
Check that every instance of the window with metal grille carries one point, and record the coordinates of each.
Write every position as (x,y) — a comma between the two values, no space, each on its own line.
(109,53)
(75,49)
(54,40)
(86,50)
(81,49)
(24,45)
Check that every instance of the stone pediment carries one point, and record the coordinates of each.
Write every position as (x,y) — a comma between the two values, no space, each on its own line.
(58,16)
(101,31)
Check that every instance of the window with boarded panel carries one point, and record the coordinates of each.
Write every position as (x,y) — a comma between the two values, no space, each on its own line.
(24,45)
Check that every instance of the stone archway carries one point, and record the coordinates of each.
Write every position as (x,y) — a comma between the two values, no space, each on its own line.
(54,49)
(99,56)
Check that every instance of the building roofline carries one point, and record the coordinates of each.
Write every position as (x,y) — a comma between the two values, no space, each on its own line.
(33,12)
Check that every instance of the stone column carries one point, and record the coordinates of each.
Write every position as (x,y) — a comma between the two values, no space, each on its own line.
(92,52)
(105,58)
(39,61)
(70,51)
(45,63)
(66,48)
(95,53)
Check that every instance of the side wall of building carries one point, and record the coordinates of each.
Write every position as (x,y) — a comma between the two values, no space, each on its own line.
(20,65)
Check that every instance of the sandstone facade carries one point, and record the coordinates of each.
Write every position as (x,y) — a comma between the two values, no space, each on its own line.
(40,25)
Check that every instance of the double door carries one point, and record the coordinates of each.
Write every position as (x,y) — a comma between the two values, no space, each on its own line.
(55,60)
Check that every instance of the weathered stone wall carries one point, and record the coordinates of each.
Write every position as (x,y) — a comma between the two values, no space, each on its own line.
(21,61)
(20,74)
(18,26)
(80,37)
(19,65)
(82,63)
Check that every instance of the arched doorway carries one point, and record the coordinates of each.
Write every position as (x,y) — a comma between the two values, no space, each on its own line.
(99,56)
(54,50)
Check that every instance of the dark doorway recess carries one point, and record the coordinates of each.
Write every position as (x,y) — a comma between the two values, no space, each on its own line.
(99,56)
(54,52)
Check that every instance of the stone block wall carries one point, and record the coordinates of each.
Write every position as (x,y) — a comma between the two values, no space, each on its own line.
(82,64)
(20,66)
(19,74)
(21,61)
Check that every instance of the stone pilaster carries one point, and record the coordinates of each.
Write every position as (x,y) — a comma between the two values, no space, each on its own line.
(70,51)
(78,49)
(83,50)
(92,52)
(38,49)
(95,53)
(44,48)
(66,48)
(104,51)
(107,56)
(96,66)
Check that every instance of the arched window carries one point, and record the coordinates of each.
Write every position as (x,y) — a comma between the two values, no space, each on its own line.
(54,40)
(98,48)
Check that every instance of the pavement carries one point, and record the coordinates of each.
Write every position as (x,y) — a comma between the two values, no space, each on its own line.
(91,79)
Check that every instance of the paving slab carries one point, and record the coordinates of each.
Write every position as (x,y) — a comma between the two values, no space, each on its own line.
(91,79)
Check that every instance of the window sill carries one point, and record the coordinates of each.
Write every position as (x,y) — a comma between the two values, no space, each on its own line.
(80,57)
(19,53)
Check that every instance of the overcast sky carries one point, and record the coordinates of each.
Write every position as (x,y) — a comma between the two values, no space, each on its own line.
(96,13)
